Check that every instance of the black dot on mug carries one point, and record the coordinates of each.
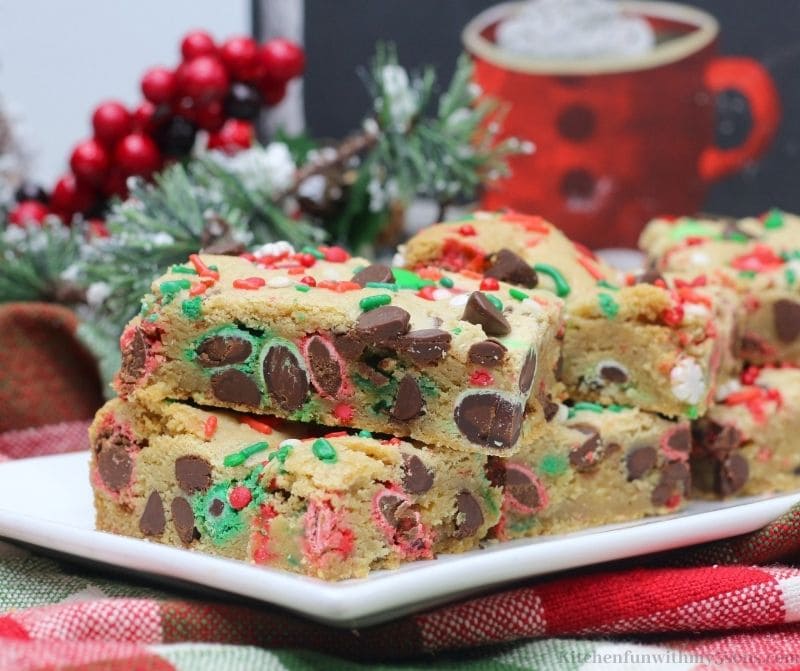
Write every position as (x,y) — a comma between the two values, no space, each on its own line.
(576,123)
(578,184)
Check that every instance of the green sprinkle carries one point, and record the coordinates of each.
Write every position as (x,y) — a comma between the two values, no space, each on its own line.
(390,286)
(692,412)
(608,306)
(562,286)
(607,285)
(467,217)
(446,282)
(238,458)
(748,274)
(616,407)
(364,434)
(518,295)
(457,330)
(691,228)
(172,287)
(324,451)
(302,287)
(774,219)
(790,276)
(788,256)
(313,251)
(153,317)
(281,454)
(184,270)
(214,267)
(553,464)
(494,300)
(584,405)
(192,307)
(406,279)
(371,302)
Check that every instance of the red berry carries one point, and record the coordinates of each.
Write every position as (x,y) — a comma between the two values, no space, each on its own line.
(159,85)
(240,56)
(203,79)
(211,116)
(69,197)
(239,497)
(116,184)
(234,135)
(147,117)
(282,59)
(90,162)
(272,92)
(137,154)
(28,212)
(197,43)
(111,121)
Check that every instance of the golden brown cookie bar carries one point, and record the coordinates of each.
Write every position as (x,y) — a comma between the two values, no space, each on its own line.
(596,465)
(333,506)
(747,444)
(660,346)
(758,257)
(318,336)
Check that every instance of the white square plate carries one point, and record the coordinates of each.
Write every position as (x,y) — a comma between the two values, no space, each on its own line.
(60,516)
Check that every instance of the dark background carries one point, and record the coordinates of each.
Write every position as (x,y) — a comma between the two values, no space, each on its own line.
(340,38)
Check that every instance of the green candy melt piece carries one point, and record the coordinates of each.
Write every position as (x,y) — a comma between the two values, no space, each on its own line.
(517,295)
(324,451)
(774,219)
(172,287)
(553,464)
(691,228)
(371,302)
(407,279)
(608,306)
(192,308)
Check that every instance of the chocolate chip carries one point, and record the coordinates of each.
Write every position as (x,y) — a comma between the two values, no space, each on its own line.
(495,470)
(522,488)
(675,478)
(152,521)
(732,474)
(374,377)
(751,346)
(716,440)
(661,493)
(217,237)
(488,419)
(417,478)
(234,386)
(183,520)
(134,358)
(675,471)
(469,516)
(223,350)
(733,231)
(786,315)
(388,505)
(649,276)
(377,272)
(287,383)
(613,373)
(479,310)
(639,461)
(382,326)
(588,454)
(408,402)
(488,353)
(114,463)
(507,266)
(348,345)
(216,507)
(193,473)
(681,440)
(324,367)
(527,372)
(425,345)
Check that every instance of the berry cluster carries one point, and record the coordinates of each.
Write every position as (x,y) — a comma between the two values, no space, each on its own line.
(219,89)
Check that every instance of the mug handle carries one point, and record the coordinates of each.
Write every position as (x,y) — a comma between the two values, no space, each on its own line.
(751,79)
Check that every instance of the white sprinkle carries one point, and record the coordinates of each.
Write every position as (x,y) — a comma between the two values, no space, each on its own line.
(459,300)
(278,282)
(727,388)
(563,413)
(695,310)
(289,442)
(688,383)
(398,260)
(699,259)
(274,249)
(441,294)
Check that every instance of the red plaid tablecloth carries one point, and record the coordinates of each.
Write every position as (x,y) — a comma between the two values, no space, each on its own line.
(733,604)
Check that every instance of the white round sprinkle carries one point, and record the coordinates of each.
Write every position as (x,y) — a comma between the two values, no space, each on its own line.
(278,282)
(459,300)
(441,294)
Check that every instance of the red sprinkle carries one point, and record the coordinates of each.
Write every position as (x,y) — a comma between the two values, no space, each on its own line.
(257,425)
(344,412)
(248,256)
(750,375)
(394,440)
(239,497)
(467,230)
(672,316)
(531,222)
(481,378)
(426,292)
(673,501)
(198,288)
(489,284)
(761,257)
(335,254)
(690,296)
(296,270)
(430,273)
(335,434)
(339,287)
(307,279)
(202,269)
(660,283)
(743,395)
(250,283)
(210,427)
(306,259)
(590,267)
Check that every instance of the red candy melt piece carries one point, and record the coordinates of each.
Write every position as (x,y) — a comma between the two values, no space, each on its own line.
(760,258)
(308,280)
(257,425)
(344,412)
(335,254)
(239,497)
(481,378)
(672,316)
(467,230)
(489,284)
(250,283)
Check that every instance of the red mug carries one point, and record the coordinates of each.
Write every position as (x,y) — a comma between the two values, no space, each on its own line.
(619,140)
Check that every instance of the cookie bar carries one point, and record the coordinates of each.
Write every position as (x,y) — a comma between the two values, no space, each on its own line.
(747,444)
(660,346)
(333,506)
(593,465)
(318,336)
(758,257)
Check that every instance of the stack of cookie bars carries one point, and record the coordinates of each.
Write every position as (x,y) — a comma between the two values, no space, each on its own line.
(306,410)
